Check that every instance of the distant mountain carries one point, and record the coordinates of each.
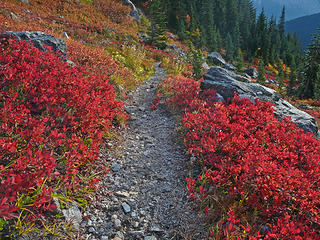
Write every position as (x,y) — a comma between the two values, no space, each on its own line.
(294,8)
(304,27)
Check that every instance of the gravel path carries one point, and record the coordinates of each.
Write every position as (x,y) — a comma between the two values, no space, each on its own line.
(144,196)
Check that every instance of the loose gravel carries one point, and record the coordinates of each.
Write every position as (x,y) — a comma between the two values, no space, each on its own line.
(144,196)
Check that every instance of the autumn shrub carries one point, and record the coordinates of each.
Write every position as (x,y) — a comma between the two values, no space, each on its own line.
(53,118)
(134,58)
(84,21)
(115,10)
(260,176)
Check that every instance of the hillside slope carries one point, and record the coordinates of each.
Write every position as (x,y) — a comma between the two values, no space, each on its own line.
(304,27)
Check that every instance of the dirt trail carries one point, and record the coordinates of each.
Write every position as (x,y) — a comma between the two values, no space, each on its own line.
(144,196)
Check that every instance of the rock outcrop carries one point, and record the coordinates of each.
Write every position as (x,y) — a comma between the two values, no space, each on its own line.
(252,72)
(134,12)
(40,40)
(227,82)
(216,59)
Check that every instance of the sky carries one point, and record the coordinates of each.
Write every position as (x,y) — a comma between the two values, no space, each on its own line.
(294,8)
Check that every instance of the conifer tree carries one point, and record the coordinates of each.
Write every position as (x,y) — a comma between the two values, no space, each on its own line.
(311,84)
(229,47)
(197,61)
(261,73)
(158,25)
(282,21)
(240,62)
(281,77)
(292,82)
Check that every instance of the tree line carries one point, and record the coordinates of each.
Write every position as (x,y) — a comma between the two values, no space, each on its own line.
(234,26)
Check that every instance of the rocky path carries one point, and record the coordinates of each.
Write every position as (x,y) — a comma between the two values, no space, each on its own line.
(144,196)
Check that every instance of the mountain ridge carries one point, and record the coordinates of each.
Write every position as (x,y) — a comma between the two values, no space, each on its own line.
(294,8)
(304,27)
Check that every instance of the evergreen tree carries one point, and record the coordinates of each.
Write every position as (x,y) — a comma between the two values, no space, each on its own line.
(292,82)
(281,77)
(158,25)
(229,47)
(196,62)
(261,73)
(216,19)
(282,21)
(240,62)
(311,84)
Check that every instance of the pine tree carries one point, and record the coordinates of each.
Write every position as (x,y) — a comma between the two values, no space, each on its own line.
(311,84)
(292,82)
(158,25)
(196,62)
(281,77)
(261,73)
(229,47)
(261,35)
(282,21)
(240,62)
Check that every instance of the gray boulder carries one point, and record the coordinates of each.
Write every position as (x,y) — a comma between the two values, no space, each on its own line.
(73,215)
(217,72)
(134,12)
(39,40)
(229,67)
(252,72)
(216,58)
(227,82)
(205,66)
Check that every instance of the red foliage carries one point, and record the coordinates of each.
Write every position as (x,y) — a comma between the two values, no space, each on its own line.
(260,165)
(53,117)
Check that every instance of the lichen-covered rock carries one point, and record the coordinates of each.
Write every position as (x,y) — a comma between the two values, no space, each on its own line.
(226,83)
(40,40)
(216,58)
(73,215)
(134,12)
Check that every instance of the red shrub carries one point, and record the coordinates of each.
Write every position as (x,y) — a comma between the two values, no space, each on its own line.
(53,117)
(264,172)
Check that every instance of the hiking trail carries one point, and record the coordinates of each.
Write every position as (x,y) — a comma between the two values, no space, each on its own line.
(145,196)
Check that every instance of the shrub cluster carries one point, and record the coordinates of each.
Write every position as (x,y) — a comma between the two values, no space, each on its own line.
(260,176)
(90,21)
(52,121)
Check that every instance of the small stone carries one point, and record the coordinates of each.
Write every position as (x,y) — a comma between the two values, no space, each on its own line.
(114,217)
(104,238)
(84,223)
(167,189)
(150,238)
(122,194)
(137,233)
(126,208)
(117,223)
(135,224)
(73,215)
(142,212)
(116,167)
(120,235)
(155,228)
(91,230)
(142,109)
(133,215)
(117,238)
